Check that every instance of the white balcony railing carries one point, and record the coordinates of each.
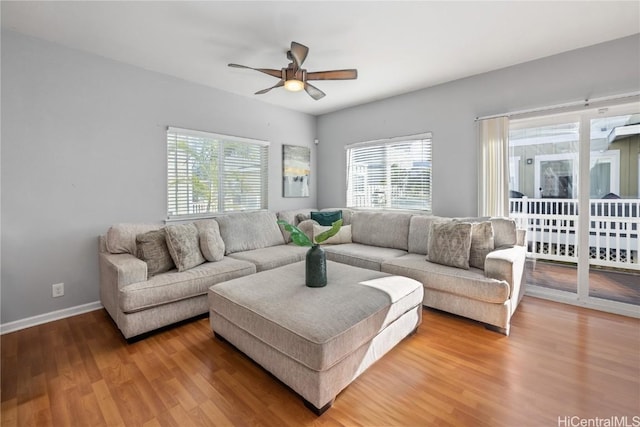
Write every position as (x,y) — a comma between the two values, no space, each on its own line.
(552,230)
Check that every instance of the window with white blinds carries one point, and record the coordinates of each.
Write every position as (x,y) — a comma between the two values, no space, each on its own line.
(209,173)
(390,174)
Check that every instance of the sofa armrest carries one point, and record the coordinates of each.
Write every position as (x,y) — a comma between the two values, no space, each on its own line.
(507,264)
(521,237)
(117,271)
(122,269)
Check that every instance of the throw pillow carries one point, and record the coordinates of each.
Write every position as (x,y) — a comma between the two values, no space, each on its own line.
(151,247)
(302,217)
(504,232)
(481,243)
(184,247)
(449,244)
(211,243)
(326,218)
(343,236)
(121,238)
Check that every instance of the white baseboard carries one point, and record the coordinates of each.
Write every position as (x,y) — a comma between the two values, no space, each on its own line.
(5,328)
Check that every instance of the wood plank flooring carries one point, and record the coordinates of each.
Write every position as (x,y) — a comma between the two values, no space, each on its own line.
(560,361)
(603,283)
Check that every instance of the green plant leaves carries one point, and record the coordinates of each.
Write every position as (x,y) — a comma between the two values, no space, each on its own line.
(297,236)
(335,227)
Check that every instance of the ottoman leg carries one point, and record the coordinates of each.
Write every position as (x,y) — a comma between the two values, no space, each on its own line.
(314,409)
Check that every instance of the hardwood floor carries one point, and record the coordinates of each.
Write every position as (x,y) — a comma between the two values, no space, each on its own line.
(560,361)
(607,284)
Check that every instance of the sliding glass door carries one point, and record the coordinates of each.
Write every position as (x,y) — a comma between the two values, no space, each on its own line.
(544,197)
(574,185)
(614,206)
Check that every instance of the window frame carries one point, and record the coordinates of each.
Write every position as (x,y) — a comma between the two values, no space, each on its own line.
(351,176)
(223,143)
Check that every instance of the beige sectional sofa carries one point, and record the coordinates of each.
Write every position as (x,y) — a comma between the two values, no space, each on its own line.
(140,303)
(396,243)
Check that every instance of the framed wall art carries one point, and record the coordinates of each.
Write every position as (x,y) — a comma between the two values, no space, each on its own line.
(296,168)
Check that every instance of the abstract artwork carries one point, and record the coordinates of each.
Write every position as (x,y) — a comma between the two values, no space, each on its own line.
(296,167)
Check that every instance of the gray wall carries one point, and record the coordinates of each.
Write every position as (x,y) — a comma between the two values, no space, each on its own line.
(449,110)
(84,146)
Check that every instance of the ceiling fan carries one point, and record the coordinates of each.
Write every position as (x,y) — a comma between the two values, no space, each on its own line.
(294,78)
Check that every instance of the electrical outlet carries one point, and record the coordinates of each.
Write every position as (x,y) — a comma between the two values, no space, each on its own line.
(57,290)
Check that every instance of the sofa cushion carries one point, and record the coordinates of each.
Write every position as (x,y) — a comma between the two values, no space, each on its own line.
(184,246)
(481,243)
(419,232)
(121,238)
(326,218)
(470,283)
(383,229)
(211,243)
(273,256)
(343,236)
(248,231)
(504,232)
(449,244)
(359,255)
(152,249)
(175,286)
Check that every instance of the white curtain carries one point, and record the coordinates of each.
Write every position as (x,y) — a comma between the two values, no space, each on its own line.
(493,180)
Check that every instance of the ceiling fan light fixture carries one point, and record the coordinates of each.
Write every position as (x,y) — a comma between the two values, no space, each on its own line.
(294,78)
(293,85)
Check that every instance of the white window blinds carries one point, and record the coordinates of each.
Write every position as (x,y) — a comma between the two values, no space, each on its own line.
(209,173)
(392,174)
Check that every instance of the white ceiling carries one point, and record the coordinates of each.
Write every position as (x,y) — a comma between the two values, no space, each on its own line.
(397,47)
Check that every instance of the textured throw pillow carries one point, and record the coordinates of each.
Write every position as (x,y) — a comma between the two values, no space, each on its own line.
(211,243)
(121,238)
(504,232)
(481,243)
(326,218)
(184,247)
(152,248)
(302,217)
(449,244)
(343,236)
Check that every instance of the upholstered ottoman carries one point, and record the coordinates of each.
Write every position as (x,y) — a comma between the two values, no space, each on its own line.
(316,340)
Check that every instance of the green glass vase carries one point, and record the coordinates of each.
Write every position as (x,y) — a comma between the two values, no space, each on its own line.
(316,267)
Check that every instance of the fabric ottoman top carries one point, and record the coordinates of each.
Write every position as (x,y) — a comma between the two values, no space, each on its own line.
(315,326)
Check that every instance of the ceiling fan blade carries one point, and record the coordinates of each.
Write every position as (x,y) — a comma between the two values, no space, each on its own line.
(263,91)
(333,75)
(299,53)
(313,91)
(274,73)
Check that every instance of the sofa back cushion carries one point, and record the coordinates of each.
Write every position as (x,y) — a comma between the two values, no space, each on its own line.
(419,232)
(248,231)
(504,232)
(121,238)
(384,229)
